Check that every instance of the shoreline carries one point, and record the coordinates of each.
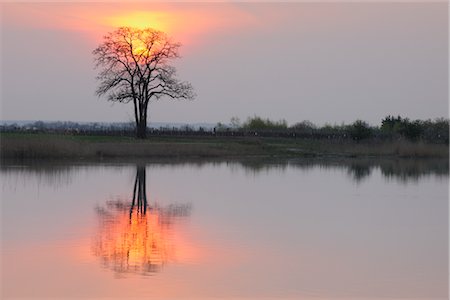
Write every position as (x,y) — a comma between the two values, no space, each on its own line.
(57,146)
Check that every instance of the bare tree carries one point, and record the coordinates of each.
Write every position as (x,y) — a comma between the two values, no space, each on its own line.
(134,67)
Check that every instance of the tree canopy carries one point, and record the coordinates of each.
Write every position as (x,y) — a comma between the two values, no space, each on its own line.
(134,66)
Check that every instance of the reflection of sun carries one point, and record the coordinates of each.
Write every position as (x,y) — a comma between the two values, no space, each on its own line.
(142,19)
(135,241)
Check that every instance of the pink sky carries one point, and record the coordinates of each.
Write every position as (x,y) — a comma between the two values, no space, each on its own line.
(324,62)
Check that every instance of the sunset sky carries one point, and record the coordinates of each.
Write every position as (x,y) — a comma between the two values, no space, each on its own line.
(323,62)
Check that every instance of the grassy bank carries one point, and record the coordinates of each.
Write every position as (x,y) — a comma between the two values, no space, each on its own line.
(15,145)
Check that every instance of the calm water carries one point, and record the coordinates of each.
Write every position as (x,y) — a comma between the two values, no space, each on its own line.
(233,230)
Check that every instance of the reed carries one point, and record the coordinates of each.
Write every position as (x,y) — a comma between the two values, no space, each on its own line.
(40,146)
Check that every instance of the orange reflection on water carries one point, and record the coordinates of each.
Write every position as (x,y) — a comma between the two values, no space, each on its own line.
(137,240)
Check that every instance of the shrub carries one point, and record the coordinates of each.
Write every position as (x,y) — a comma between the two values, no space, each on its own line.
(304,127)
(257,123)
(360,130)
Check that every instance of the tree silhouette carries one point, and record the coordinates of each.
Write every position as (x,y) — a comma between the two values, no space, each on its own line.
(136,237)
(134,67)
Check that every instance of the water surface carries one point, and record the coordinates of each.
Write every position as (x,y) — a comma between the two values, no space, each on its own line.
(235,230)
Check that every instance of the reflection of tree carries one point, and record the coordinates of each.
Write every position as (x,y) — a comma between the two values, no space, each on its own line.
(359,171)
(55,174)
(140,187)
(136,237)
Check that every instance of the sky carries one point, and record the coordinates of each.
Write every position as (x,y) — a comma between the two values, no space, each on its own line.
(323,62)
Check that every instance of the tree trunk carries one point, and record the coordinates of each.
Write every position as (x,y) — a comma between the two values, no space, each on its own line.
(141,126)
(141,123)
(141,130)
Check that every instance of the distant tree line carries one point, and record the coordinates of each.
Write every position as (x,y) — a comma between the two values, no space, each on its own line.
(391,128)
(68,127)
(433,131)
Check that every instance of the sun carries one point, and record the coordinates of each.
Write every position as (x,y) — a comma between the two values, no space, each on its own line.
(140,49)
(142,19)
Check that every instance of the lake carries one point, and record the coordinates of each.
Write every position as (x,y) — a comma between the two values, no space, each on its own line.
(248,229)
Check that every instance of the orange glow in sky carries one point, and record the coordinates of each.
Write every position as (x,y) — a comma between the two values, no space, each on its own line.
(161,21)
(186,24)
